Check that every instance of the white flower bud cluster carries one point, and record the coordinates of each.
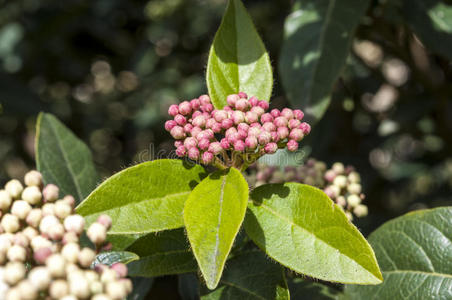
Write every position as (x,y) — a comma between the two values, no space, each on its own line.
(40,252)
(342,184)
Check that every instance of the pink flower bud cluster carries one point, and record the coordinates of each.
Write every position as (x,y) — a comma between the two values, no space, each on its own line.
(40,252)
(244,125)
(342,184)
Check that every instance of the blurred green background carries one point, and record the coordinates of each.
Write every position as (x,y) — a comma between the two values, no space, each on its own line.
(109,69)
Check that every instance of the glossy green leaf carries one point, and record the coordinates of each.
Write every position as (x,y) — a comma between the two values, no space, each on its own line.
(300,227)
(188,286)
(415,255)
(431,21)
(145,198)
(301,289)
(111,257)
(213,214)
(318,34)
(250,276)
(63,159)
(238,60)
(162,253)
(141,287)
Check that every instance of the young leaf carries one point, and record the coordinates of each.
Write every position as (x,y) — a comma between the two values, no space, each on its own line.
(63,159)
(213,214)
(238,60)
(300,227)
(111,257)
(250,276)
(415,255)
(161,254)
(145,198)
(318,34)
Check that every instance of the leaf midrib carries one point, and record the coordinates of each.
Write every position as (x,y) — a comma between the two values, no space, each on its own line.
(434,274)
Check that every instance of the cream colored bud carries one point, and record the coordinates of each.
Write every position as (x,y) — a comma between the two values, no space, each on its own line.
(128,284)
(33,178)
(338,168)
(101,297)
(50,193)
(69,297)
(34,217)
(56,265)
(353,200)
(340,181)
(62,209)
(109,275)
(70,252)
(3,286)
(72,268)
(86,257)
(116,290)
(20,209)
(10,223)
(39,278)
(17,253)
(74,223)
(92,275)
(48,222)
(69,200)
(32,195)
(56,232)
(30,232)
(354,177)
(341,201)
(48,209)
(70,237)
(39,242)
(5,200)
(79,287)
(6,241)
(27,290)
(96,287)
(354,188)
(13,294)
(58,289)
(97,233)
(14,272)
(14,188)
(360,210)
(21,239)
(349,215)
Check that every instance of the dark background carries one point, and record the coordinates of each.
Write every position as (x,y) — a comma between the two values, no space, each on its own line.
(109,69)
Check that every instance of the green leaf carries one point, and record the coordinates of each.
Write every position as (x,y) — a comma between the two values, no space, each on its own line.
(301,228)
(431,20)
(213,214)
(145,198)
(415,255)
(141,287)
(161,254)
(63,159)
(301,289)
(250,276)
(188,286)
(318,35)
(238,60)
(111,257)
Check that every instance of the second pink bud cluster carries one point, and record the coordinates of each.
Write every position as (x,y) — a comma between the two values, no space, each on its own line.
(244,125)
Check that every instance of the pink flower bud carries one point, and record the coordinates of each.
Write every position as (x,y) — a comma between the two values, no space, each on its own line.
(264,104)
(209,133)
(207,107)
(296,134)
(283,132)
(207,157)
(254,131)
(243,95)
(239,145)
(275,113)
(205,134)
(50,193)
(251,117)
(253,101)
(227,123)
(173,110)
(305,127)
(280,122)
(185,108)
(329,176)
(269,127)
(242,134)
(232,99)
(188,127)
(180,120)
(298,114)
(251,142)
(177,132)
(193,153)
(242,104)
(275,136)
(215,148)
(190,142)
(170,124)
(216,128)
(270,148)
(199,121)
(264,137)
(224,143)
(195,131)
(292,145)
(104,220)
(178,143)
(243,126)
(287,113)
(233,137)
(238,117)
(120,268)
(210,122)
(266,118)
(220,115)
(195,104)
(195,114)
(203,144)
(256,125)
(258,110)
(204,99)
(181,151)
(294,123)
(41,255)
